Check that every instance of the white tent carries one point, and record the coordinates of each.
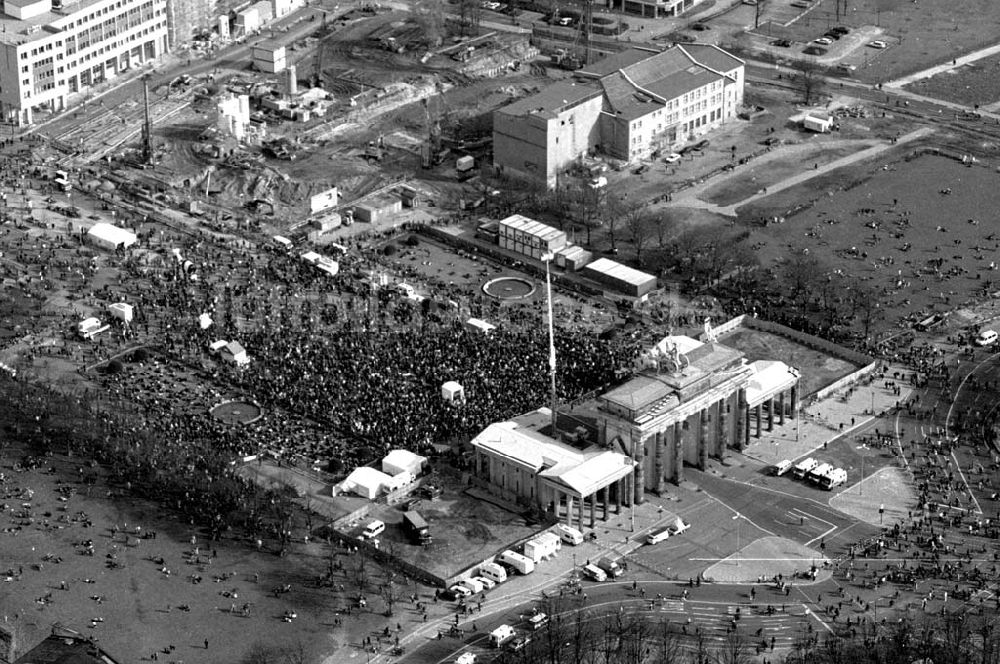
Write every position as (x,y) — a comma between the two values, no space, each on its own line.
(235,353)
(204,321)
(121,311)
(366,482)
(400,461)
(111,237)
(453,392)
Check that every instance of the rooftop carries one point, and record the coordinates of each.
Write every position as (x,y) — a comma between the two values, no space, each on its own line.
(15,31)
(552,99)
(66,646)
(618,271)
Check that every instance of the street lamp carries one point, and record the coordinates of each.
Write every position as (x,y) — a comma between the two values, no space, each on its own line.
(547,258)
(865,448)
(736,517)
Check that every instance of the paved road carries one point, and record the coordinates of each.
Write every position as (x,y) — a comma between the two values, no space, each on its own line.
(785,514)
(709,612)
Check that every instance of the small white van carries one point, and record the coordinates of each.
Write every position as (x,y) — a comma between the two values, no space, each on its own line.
(987,338)
(659,536)
(781,467)
(373,530)
(594,573)
(473,584)
(569,535)
(538,621)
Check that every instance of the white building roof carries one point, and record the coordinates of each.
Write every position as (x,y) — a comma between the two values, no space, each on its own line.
(481,324)
(581,471)
(622,272)
(112,234)
(769,378)
(531,227)
(402,459)
(597,471)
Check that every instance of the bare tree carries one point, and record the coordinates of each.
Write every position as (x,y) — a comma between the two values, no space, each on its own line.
(391,594)
(809,79)
(469,16)
(641,227)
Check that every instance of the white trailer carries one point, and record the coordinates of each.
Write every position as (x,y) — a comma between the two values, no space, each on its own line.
(517,561)
(542,547)
(817,124)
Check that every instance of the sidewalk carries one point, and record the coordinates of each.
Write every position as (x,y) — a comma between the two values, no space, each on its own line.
(825,421)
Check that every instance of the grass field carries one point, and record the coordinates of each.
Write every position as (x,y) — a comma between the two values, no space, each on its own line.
(974,83)
(818,369)
(922,33)
(889,228)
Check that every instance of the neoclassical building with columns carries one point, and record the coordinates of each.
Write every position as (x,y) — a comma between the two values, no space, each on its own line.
(687,401)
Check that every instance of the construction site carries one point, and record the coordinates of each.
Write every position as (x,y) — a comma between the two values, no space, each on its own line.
(360,102)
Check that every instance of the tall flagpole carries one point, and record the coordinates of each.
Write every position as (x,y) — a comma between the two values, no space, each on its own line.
(547,259)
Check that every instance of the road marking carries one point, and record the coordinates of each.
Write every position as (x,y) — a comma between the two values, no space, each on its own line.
(745,518)
(958,466)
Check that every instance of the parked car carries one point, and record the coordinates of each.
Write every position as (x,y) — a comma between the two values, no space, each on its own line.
(460,591)
(823,41)
(672,158)
(846,67)
(840,30)
(466,658)
(640,169)
(878,43)
(520,643)
(488,584)
(701,27)
(783,43)
(814,50)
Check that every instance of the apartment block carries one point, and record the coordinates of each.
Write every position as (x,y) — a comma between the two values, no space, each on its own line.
(53,50)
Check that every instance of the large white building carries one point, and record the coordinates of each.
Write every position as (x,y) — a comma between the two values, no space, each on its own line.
(54,49)
(625,107)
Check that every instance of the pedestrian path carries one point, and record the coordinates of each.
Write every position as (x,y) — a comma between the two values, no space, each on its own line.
(690,197)
(942,68)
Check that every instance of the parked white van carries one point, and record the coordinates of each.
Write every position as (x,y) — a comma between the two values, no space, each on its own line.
(373,530)
(569,535)
(782,467)
(473,584)
(538,621)
(594,573)
(659,536)
(987,338)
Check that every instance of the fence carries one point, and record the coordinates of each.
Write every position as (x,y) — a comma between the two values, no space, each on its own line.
(866,363)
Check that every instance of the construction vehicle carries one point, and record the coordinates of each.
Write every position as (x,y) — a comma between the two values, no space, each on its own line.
(565,59)
(258,204)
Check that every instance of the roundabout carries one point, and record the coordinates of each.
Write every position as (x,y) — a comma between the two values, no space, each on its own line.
(509,288)
(237,411)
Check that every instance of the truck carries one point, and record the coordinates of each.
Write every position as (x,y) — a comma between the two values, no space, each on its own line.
(610,567)
(802,468)
(816,474)
(501,635)
(834,478)
(520,563)
(417,528)
(542,547)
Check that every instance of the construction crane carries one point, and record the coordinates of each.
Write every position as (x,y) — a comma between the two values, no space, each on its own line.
(147,123)
(431,153)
